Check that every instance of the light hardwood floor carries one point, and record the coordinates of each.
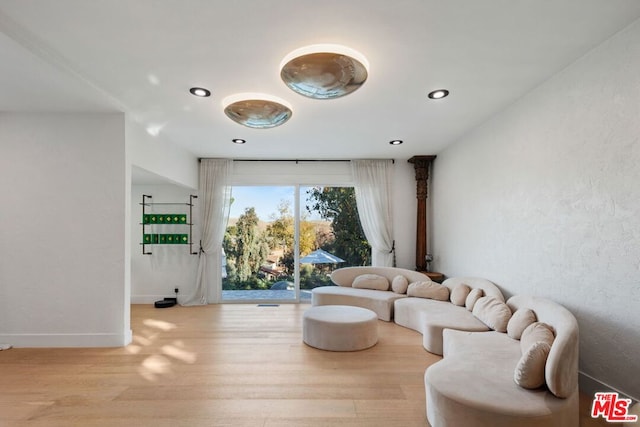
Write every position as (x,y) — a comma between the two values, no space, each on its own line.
(220,365)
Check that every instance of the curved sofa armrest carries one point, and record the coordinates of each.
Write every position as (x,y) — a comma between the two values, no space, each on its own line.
(561,370)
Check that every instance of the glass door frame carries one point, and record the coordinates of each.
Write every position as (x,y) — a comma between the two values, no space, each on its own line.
(296,250)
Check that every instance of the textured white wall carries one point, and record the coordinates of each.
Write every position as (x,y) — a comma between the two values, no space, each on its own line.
(63,192)
(544,199)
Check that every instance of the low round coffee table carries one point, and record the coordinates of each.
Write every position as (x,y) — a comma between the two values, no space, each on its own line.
(339,328)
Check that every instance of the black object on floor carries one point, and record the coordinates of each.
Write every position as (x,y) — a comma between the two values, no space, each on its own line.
(164,303)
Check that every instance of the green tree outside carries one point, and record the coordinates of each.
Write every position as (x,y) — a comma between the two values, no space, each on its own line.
(247,247)
(338,205)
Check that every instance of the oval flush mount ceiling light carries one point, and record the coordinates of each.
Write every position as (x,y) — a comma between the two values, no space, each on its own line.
(238,141)
(256,110)
(324,71)
(200,91)
(396,142)
(438,94)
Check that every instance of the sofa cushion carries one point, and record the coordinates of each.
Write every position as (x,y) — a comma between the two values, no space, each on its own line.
(481,346)
(399,284)
(459,294)
(431,290)
(529,372)
(446,316)
(519,322)
(536,332)
(473,297)
(371,281)
(493,313)
(430,317)
(379,301)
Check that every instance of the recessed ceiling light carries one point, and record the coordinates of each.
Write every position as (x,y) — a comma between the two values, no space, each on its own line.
(396,142)
(438,94)
(200,91)
(238,140)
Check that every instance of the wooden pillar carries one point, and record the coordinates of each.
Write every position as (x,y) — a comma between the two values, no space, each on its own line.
(421,165)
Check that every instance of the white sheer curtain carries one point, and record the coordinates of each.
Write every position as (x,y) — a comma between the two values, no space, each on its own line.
(372,182)
(214,199)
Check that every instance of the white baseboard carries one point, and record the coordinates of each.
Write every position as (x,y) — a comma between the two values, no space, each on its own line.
(590,386)
(67,340)
(148,299)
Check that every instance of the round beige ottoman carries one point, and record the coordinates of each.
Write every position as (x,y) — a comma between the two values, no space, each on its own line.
(339,328)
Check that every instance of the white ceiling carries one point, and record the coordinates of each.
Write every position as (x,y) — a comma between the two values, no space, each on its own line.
(142,56)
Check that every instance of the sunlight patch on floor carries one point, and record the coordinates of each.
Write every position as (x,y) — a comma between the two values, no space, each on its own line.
(154,366)
(180,354)
(159,324)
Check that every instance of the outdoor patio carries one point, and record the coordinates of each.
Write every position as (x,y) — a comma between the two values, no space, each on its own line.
(266,295)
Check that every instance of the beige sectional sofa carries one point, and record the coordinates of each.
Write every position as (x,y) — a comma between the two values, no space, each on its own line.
(430,317)
(379,301)
(475,383)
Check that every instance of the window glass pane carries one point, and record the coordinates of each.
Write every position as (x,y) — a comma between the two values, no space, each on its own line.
(330,235)
(259,243)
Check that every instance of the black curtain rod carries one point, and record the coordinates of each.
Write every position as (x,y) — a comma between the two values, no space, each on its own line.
(291,160)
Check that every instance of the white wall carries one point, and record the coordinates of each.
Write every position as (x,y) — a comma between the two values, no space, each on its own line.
(154,277)
(161,157)
(544,199)
(64,196)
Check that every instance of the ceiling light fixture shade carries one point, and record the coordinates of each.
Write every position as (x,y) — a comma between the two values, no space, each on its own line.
(324,71)
(257,111)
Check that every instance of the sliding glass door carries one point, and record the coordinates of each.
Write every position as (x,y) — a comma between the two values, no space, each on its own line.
(283,241)
(258,245)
